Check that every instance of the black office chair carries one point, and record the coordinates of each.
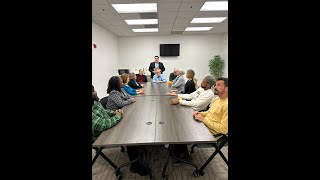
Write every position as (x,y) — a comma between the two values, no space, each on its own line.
(104,101)
(122,71)
(222,141)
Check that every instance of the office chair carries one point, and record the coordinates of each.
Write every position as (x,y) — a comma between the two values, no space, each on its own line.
(121,71)
(104,101)
(222,141)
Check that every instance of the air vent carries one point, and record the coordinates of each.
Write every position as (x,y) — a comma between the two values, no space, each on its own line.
(151,26)
(148,15)
(177,32)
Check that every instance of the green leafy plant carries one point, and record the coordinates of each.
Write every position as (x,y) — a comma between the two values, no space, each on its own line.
(216,66)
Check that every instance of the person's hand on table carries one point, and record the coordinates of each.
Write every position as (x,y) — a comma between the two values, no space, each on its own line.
(120,111)
(174,101)
(132,100)
(195,113)
(172,94)
(199,117)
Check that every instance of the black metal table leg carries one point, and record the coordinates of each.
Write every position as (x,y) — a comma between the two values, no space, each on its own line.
(164,176)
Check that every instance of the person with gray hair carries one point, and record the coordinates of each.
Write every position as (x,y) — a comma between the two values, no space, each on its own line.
(179,82)
(199,99)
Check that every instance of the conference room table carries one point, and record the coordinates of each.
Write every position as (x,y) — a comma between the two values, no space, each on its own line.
(151,120)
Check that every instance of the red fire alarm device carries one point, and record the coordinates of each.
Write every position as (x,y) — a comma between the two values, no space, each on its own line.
(94,46)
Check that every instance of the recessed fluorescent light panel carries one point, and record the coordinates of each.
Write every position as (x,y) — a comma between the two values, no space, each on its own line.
(141,21)
(146,30)
(135,8)
(208,20)
(198,28)
(215,6)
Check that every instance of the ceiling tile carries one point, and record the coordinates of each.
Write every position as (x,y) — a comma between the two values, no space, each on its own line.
(191,6)
(112,17)
(96,16)
(130,16)
(99,8)
(180,25)
(159,1)
(144,1)
(120,1)
(165,21)
(183,21)
(165,25)
(186,14)
(168,6)
(194,0)
(167,14)
(99,2)
(178,29)
(212,14)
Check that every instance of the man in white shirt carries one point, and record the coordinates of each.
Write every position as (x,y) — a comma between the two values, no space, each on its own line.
(200,99)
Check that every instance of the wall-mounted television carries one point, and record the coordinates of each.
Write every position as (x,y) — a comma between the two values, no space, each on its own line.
(169,49)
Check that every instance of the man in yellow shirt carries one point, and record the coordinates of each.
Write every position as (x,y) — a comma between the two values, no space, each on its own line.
(216,118)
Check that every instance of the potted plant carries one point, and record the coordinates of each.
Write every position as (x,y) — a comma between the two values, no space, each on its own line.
(216,66)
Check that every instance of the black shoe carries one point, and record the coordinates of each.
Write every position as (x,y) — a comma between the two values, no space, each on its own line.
(142,171)
(183,156)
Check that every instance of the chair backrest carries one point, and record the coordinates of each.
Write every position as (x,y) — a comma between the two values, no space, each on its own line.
(104,101)
(121,71)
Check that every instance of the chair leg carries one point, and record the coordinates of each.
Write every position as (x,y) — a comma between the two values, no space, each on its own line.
(108,160)
(191,151)
(221,154)
(99,152)
(126,164)
(122,148)
(196,172)
(207,162)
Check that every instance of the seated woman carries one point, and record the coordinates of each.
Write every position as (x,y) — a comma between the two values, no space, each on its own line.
(102,119)
(190,86)
(127,88)
(118,97)
(179,82)
(133,83)
(141,77)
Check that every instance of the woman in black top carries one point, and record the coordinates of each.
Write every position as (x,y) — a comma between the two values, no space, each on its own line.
(133,81)
(190,85)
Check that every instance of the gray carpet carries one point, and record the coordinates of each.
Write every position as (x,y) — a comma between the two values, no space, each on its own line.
(216,169)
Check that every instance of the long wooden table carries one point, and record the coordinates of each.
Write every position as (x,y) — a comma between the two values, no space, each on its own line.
(152,120)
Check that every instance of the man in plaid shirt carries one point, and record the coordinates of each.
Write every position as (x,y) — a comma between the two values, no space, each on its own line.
(102,119)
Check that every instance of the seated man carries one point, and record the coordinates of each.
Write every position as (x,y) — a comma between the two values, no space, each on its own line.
(200,99)
(141,77)
(158,77)
(173,75)
(102,119)
(216,118)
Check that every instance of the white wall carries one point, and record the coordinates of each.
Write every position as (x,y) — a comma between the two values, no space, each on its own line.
(105,58)
(195,52)
(225,55)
